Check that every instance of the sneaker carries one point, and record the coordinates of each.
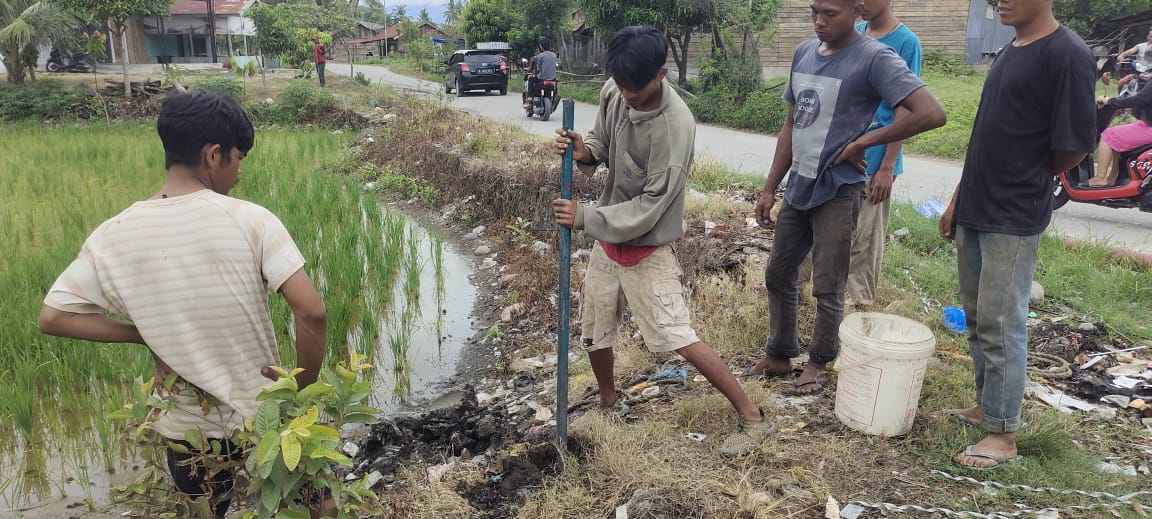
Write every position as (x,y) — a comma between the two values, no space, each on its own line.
(747,437)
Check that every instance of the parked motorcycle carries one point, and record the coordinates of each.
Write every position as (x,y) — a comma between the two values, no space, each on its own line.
(1133,186)
(78,62)
(545,98)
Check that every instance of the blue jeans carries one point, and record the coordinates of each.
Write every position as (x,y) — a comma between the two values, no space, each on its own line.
(995,275)
(826,230)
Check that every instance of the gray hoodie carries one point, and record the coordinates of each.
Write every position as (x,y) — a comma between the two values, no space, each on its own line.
(648,155)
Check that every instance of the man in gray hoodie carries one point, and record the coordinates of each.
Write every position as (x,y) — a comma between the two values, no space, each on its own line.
(645,134)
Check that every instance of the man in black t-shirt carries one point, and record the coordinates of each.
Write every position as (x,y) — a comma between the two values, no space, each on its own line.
(1036,118)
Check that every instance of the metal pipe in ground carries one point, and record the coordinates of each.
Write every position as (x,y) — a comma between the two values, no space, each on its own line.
(564,289)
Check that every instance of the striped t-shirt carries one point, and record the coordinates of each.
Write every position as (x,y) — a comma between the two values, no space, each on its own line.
(193,274)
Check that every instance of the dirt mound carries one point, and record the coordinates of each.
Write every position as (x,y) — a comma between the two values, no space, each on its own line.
(429,438)
(501,494)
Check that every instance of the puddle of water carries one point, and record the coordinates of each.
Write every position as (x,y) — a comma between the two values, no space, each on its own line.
(428,325)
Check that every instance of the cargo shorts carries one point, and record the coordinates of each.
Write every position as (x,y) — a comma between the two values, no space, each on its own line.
(652,290)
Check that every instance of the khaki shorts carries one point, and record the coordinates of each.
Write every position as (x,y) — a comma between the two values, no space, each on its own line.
(653,291)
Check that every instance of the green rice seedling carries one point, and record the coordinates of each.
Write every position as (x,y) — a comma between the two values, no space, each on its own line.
(412,268)
(436,246)
(401,367)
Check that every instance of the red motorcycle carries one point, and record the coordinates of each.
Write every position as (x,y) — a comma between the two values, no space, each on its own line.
(1133,186)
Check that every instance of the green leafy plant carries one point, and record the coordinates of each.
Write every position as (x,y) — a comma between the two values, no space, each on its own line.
(302,100)
(289,451)
(44,99)
(242,72)
(219,84)
(521,230)
(175,75)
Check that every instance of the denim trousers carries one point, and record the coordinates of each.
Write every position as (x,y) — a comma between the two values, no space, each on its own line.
(995,276)
(826,231)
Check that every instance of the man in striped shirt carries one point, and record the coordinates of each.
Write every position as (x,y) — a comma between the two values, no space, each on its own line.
(190,270)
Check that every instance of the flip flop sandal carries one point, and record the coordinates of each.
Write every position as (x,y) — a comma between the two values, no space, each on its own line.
(749,373)
(1000,460)
(959,417)
(820,384)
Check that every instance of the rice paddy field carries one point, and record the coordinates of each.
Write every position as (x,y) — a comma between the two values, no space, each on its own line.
(384,280)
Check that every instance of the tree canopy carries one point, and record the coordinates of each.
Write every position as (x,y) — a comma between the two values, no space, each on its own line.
(736,21)
(284,30)
(1091,18)
(521,23)
(25,25)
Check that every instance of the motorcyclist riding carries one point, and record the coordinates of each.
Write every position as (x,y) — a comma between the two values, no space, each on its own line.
(542,67)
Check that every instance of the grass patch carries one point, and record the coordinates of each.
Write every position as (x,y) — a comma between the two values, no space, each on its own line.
(428,70)
(960,96)
(712,175)
(1086,279)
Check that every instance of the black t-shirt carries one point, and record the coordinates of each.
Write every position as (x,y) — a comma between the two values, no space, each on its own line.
(1037,98)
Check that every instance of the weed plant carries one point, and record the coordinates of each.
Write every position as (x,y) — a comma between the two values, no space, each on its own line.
(219,84)
(45,99)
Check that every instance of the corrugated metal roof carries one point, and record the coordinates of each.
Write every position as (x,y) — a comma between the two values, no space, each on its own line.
(221,7)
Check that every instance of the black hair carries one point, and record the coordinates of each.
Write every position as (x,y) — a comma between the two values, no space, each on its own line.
(188,122)
(544,43)
(635,55)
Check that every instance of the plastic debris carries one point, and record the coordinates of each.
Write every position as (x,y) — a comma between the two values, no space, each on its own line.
(852,511)
(437,472)
(1057,399)
(955,320)
(696,437)
(831,508)
(931,208)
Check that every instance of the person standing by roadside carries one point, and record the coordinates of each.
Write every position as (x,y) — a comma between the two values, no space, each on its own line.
(885,162)
(1036,118)
(645,134)
(837,82)
(319,57)
(190,269)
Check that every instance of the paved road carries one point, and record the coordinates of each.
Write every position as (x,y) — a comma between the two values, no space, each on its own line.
(752,153)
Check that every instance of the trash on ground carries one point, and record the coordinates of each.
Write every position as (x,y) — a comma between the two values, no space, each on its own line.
(696,437)
(852,511)
(931,208)
(955,320)
(1058,399)
(1126,382)
(831,508)
(1112,468)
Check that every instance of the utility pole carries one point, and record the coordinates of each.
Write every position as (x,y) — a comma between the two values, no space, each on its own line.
(384,7)
(212,30)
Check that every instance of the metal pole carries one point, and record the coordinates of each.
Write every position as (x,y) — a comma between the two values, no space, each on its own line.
(212,30)
(565,289)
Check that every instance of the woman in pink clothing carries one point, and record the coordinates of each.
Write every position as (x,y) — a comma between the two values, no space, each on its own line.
(1123,138)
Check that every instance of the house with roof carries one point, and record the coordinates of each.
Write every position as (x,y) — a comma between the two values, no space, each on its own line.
(185,34)
(372,38)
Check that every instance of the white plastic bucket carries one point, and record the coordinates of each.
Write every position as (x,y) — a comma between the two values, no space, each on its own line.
(880,372)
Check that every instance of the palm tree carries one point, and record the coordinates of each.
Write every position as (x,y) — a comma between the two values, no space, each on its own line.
(399,13)
(25,26)
(453,11)
(425,16)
